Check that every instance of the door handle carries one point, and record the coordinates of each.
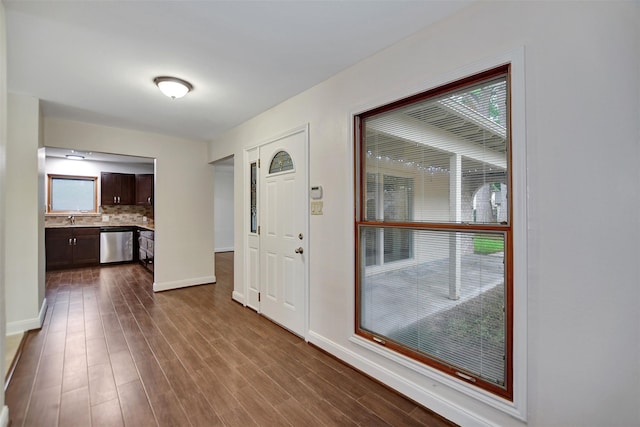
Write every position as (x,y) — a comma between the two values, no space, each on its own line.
(299,250)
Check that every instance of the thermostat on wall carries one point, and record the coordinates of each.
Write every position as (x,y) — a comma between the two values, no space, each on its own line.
(316,192)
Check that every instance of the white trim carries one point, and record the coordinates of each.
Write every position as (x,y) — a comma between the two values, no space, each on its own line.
(307,232)
(410,389)
(43,312)
(449,380)
(238,297)
(515,57)
(520,223)
(25,325)
(4,416)
(177,284)
(250,156)
(227,249)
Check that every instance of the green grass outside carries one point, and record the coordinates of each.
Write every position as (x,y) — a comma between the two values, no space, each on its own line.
(487,244)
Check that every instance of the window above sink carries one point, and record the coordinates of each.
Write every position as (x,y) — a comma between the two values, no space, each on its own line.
(72,194)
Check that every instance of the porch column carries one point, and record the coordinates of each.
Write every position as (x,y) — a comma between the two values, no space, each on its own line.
(455,215)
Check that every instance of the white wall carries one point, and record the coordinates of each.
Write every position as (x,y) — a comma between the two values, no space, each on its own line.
(24,236)
(183,207)
(581,106)
(4,411)
(223,207)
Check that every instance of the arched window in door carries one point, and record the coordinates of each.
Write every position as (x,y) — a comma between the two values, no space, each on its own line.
(281,162)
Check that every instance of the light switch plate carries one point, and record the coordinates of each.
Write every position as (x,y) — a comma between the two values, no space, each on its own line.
(316,208)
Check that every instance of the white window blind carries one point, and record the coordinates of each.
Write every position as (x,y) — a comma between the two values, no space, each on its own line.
(434,229)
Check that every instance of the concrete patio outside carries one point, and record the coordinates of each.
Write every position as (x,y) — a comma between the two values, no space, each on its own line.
(411,305)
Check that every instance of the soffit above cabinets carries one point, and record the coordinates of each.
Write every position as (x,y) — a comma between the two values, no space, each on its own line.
(95,156)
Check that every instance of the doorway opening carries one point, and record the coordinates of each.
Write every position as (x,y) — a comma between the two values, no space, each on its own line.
(223,200)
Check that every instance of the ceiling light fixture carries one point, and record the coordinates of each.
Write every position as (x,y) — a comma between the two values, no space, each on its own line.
(173,87)
(74,157)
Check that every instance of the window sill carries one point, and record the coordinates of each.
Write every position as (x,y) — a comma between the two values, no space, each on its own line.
(76,214)
(503,405)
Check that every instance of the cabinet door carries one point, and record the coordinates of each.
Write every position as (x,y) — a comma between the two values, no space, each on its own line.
(117,188)
(127,189)
(86,246)
(144,189)
(58,248)
(109,187)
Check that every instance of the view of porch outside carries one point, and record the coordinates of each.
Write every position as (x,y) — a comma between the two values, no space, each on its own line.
(410,304)
(438,291)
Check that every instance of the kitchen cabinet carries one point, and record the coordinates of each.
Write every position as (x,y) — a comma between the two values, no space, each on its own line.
(72,247)
(117,188)
(144,189)
(145,248)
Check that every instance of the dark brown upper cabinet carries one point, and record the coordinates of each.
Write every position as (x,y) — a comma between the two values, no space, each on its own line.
(117,188)
(144,189)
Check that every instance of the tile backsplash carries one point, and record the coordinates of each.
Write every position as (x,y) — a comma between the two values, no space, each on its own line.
(124,214)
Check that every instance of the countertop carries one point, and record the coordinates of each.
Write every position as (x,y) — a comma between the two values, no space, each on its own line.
(147,226)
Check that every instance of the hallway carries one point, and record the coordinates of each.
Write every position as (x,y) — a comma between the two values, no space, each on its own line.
(111,352)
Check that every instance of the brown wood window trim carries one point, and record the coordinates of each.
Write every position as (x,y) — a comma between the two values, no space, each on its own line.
(52,177)
(506,229)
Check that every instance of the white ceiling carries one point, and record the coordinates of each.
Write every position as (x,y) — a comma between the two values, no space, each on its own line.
(94,61)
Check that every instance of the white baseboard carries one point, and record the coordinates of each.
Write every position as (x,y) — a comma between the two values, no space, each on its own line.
(4,416)
(414,391)
(25,325)
(228,249)
(177,284)
(238,297)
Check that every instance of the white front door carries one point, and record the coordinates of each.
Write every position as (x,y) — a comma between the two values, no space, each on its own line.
(283,229)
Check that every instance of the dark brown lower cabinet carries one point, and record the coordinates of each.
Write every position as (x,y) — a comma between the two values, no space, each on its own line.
(72,247)
(145,248)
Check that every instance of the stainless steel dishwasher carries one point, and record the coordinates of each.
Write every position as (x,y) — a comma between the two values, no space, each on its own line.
(116,244)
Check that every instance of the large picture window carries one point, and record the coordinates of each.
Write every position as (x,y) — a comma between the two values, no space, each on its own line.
(434,229)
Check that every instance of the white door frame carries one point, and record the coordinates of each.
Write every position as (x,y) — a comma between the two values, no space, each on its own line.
(249,271)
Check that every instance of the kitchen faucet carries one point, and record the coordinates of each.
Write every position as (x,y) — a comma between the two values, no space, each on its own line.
(72,219)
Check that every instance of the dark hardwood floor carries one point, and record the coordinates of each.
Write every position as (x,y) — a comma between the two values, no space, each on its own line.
(111,353)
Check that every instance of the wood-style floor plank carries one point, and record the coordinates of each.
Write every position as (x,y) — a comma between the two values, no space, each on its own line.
(102,387)
(112,352)
(43,407)
(135,406)
(75,408)
(106,414)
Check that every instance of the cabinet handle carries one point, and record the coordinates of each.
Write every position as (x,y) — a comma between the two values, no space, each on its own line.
(70,241)
(149,200)
(114,200)
(75,241)
(118,199)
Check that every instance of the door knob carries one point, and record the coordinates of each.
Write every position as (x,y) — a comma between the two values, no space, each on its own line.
(299,250)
